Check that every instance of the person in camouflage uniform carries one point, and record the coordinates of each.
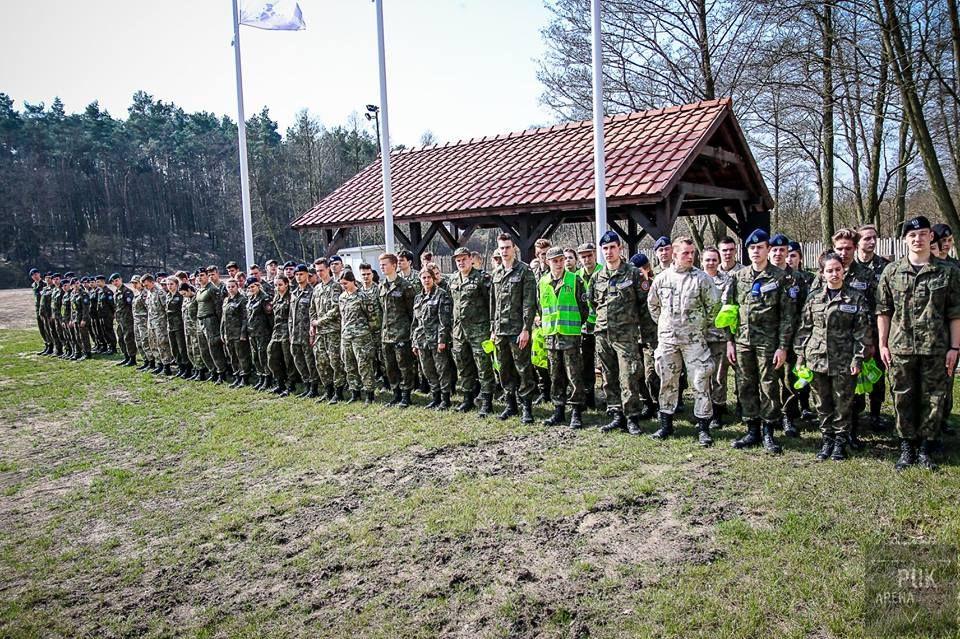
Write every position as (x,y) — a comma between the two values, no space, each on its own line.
(684,301)
(617,294)
(56,306)
(36,286)
(918,315)
(176,333)
(209,313)
(717,338)
(157,325)
(45,317)
(867,259)
(587,253)
(539,267)
(369,286)
(470,294)
(832,341)
(358,316)
(141,328)
(107,308)
(805,280)
(191,329)
(279,355)
(123,298)
(94,325)
(300,346)
(649,381)
(513,308)
(233,331)
(759,347)
(432,335)
(259,328)
(69,343)
(396,302)
(80,319)
(564,310)
(943,241)
(325,329)
(789,402)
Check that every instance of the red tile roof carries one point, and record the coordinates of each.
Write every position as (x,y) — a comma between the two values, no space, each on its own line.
(533,170)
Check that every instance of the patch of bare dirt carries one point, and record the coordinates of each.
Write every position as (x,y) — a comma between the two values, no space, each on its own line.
(17,308)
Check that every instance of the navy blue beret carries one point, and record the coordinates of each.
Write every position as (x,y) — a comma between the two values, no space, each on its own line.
(758,236)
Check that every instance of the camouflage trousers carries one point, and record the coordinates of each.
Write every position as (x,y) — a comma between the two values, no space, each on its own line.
(258,353)
(400,365)
(42,327)
(516,369)
(125,336)
(649,383)
(919,386)
(359,361)
(670,360)
(303,360)
(833,396)
(566,375)
(81,337)
(160,341)
(437,368)
(758,390)
(178,345)
(280,360)
(330,361)
(620,363)
(238,351)
(474,366)
(141,335)
(52,335)
(721,365)
(193,347)
(211,345)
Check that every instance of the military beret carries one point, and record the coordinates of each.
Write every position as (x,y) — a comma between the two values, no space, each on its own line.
(102,277)
(290,264)
(337,258)
(55,275)
(662,241)
(85,279)
(793,245)
(161,275)
(232,264)
(34,271)
(251,280)
(639,260)
(69,274)
(758,236)
(48,274)
(941,231)
(915,224)
(554,251)
(463,250)
(147,277)
(114,276)
(610,237)
(586,247)
(135,278)
(779,239)
(301,268)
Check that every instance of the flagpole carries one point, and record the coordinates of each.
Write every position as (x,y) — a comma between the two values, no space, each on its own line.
(242,137)
(384,134)
(599,170)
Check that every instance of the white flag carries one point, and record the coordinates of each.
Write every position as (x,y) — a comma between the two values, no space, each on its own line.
(275,15)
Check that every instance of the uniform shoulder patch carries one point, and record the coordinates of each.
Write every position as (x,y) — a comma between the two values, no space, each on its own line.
(645,285)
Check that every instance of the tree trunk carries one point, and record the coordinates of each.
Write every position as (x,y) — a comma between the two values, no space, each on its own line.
(826,188)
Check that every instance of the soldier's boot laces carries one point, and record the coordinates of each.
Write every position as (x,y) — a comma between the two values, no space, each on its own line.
(434,400)
(558,417)
(444,401)
(467,404)
(369,398)
(397,396)
(576,417)
(617,423)
(924,459)
(854,439)
(789,428)
(839,448)
(527,416)
(703,432)
(510,410)
(404,399)
(330,394)
(826,448)
(486,404)
(665,423)
(752,438)
(908,455)
(633,424)
(769,443)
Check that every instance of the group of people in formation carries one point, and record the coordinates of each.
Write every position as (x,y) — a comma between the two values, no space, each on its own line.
(535,333)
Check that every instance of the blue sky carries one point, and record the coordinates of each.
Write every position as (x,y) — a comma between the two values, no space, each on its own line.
(460,68)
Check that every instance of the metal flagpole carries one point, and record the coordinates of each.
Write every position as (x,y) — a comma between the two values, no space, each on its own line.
(599,170)
(384,135)
(242,136)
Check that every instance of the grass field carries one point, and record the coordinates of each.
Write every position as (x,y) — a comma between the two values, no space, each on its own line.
(138,506)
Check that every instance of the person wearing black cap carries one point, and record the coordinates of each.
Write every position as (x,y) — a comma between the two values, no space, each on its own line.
(288,268)
(617,294)
(107,309)
(300,346)
(123,314)
(80,320)
(918,317)
(56,304)
(797,292)
(37,285)
(259,329)
(759,347)
(649,379)
(663,249)
(209,312)
(45,311)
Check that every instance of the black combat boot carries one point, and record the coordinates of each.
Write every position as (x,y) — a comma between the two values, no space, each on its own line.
(527,416)
(243,380)
(703,432)
(789,428)
(559,416)
(444,401)
(158,369)
(839,448)
(369,398)
(236,382)
(397,396)
(717,420)
(486,404)
(633,425)
(123,362)
(826,448)
(200,375)
(330,394)
(924,459)
(908,455)
(434,400)
(132,361)
(280,388)
(649,410)
(576,417)
(665,423)
(752,438)
(260,380)
(467,404)
(617,423)
(769,443)
(314,390)
(355,396)
(144,366)
(404,399)
(510,399)
(219,378)
(305,391)
(854,439)
(267,383)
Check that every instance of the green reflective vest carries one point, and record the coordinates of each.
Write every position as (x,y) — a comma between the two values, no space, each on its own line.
(560,314)
(592,319)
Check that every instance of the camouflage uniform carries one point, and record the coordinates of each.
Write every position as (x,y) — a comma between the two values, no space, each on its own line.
(648,384)
(66,311)
(432,326)
(325,317)
(37,289)
(123,313)
(56,306)
(93,326)
(373,292)
(513,306)
(684,302)
(175,329)
(259,328)
(233,330)
(299,323)
(617,296)
(471,328)
(209,312)
(717,339)
(191,330)
(45,318)
(588,341)
(141,326)
(920,306)
(797,284)
(279,355)
(357,314)
(157,325)
(875,267)
(396,303)
(834,335)
(80,318)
